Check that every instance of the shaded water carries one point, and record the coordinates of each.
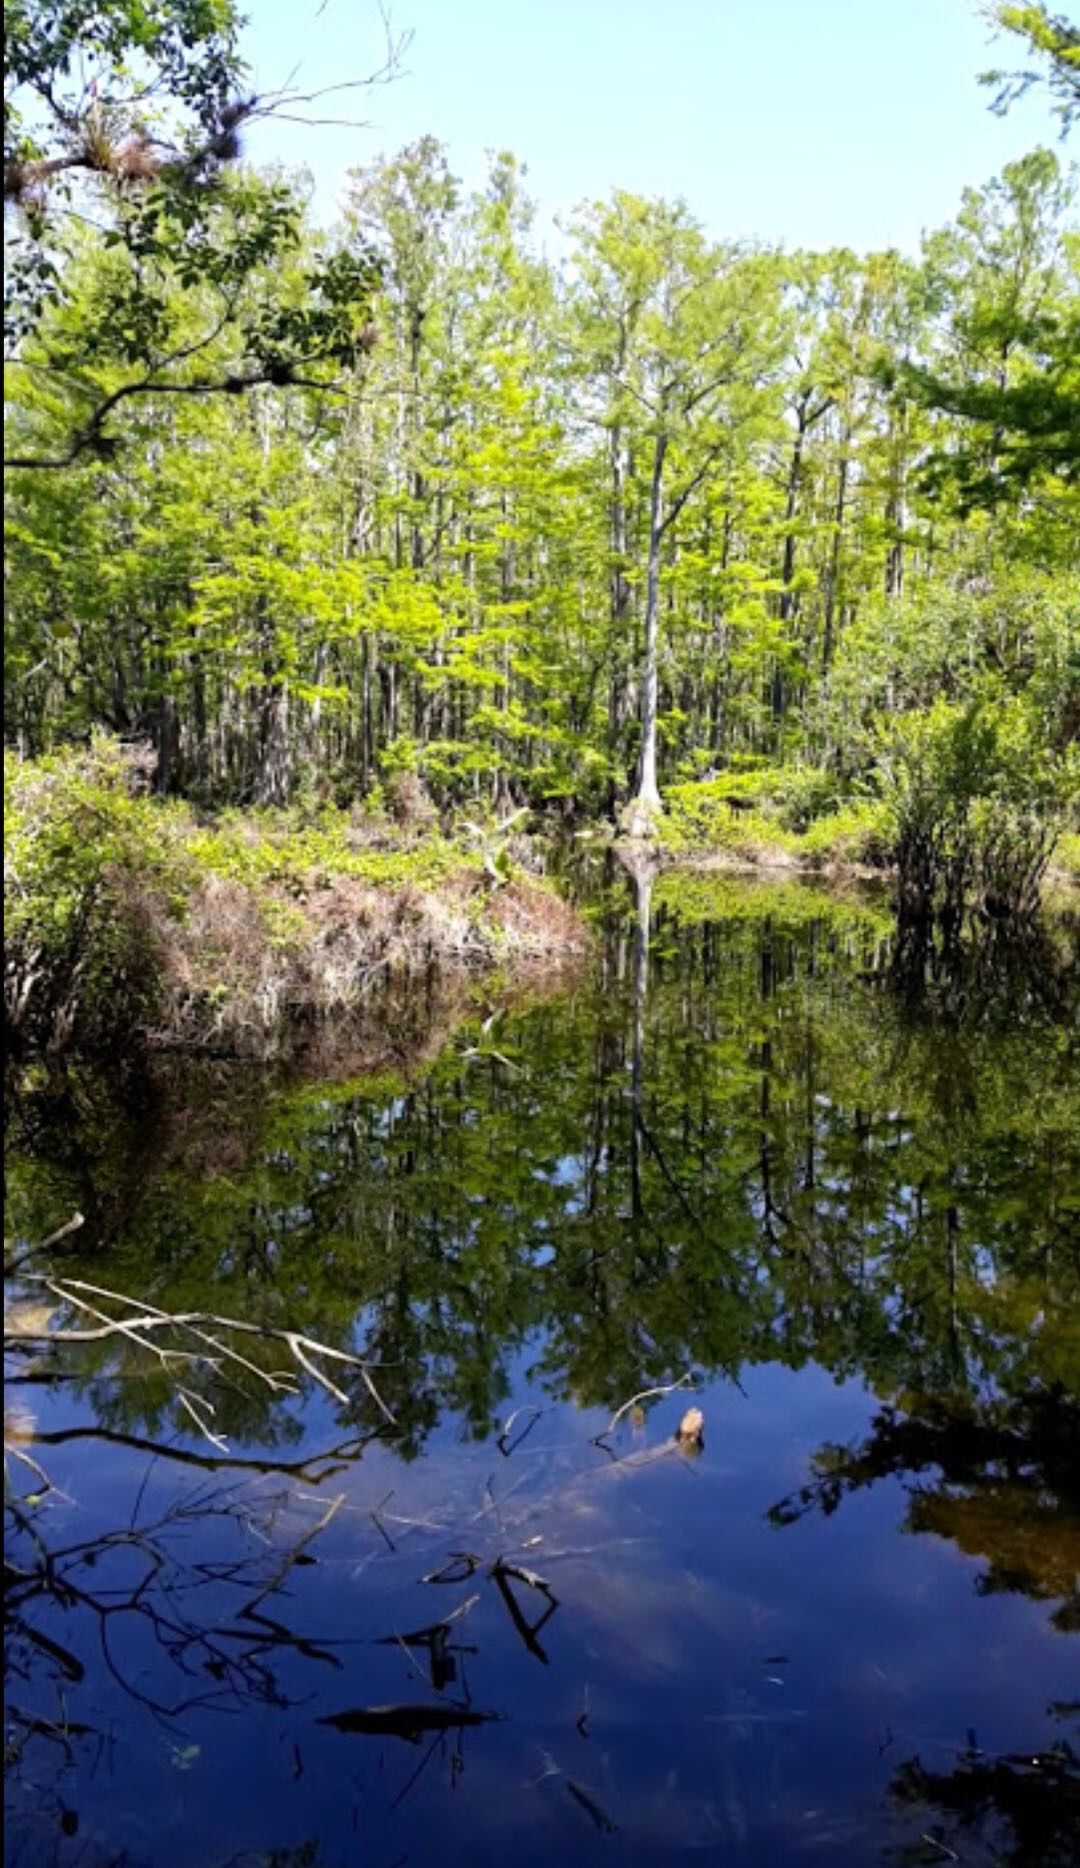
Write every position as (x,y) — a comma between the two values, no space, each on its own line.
(844,1632)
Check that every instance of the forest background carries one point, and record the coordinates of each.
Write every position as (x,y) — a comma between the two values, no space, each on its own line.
(735,545)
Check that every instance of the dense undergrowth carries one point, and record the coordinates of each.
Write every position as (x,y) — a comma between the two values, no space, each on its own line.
(791,815)
(969,805)
(128,918)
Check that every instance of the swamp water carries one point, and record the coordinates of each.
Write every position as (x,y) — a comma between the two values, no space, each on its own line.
(508,1629)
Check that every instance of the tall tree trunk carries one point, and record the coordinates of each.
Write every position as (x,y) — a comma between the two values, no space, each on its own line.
(274,778)
(896,510)
(645,806)
(416,476)
(832,584)
(620,592)
(789,602)
(642,877)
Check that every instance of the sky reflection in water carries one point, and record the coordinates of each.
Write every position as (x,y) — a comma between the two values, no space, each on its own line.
(845,1632)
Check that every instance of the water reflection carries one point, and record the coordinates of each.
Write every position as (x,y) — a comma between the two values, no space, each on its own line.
(853,1219)
(1018,1811)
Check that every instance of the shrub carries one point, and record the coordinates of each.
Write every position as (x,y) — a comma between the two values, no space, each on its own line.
(854,833)
(83,857)
(789,815)
(718,814)
(1067,854)
(976,800)
(126,918)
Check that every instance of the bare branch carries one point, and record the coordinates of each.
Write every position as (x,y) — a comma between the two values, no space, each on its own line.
(142,1322)
(684,1381)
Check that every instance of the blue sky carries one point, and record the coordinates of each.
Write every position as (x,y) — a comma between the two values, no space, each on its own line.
(802,122)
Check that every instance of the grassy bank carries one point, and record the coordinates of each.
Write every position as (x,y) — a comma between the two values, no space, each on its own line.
(797,819)
(775,819)
(129,919)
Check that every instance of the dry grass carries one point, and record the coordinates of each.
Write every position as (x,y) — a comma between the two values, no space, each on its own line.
(257,973)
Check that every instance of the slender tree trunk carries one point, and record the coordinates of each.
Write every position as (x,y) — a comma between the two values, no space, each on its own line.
(620,593)
(832,585)
(642,877)
(645,806)
(167,736)
(896,511)
(416,476)
(366,720)
(789,602)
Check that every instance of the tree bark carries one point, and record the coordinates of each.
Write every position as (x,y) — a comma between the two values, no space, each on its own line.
(833,577)
(645,806)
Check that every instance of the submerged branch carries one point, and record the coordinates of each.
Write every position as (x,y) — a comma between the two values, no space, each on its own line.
(143,1322)
(645,1394)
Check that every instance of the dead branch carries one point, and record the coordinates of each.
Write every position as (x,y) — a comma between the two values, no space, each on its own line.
(500,1574)
(504,1443)
(315,1469)
(13,1265)
(290,1557)
(142,1322)
(645,1394)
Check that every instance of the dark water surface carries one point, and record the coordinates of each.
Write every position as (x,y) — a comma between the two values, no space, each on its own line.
(844,1632)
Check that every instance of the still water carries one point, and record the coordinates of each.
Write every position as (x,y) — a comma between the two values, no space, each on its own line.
(522,1623)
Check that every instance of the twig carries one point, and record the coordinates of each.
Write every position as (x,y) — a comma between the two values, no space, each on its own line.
(645,1394)
(504,1443)
(138,1328)
(11,1266)
(291,1555)
(949,1854)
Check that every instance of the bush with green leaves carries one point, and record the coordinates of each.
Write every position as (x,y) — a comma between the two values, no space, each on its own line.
(130,920)
(976,800)
(793,813)
(84,853)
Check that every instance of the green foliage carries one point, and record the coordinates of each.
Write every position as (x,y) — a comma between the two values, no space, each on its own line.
(126,916)
(770,816)
(1054,42)
(203,287)
(977,800)
(1010,369)
(678,501)
(1067,854)
(83,860)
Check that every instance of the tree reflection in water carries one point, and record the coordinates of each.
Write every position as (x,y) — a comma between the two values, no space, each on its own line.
(736,1148)
(1011,1811)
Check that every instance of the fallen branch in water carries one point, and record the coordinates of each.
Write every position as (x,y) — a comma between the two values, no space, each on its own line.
(504,1443)
(314,1469)
(14,1265)
(500,1574)
(646,1394)
(141,1322)
(407,1722)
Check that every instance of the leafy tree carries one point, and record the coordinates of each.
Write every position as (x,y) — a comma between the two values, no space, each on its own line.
(704,341)
(1054,42)
(1013,330)
(138,111)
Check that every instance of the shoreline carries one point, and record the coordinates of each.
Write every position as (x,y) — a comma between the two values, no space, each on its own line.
(135,922)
